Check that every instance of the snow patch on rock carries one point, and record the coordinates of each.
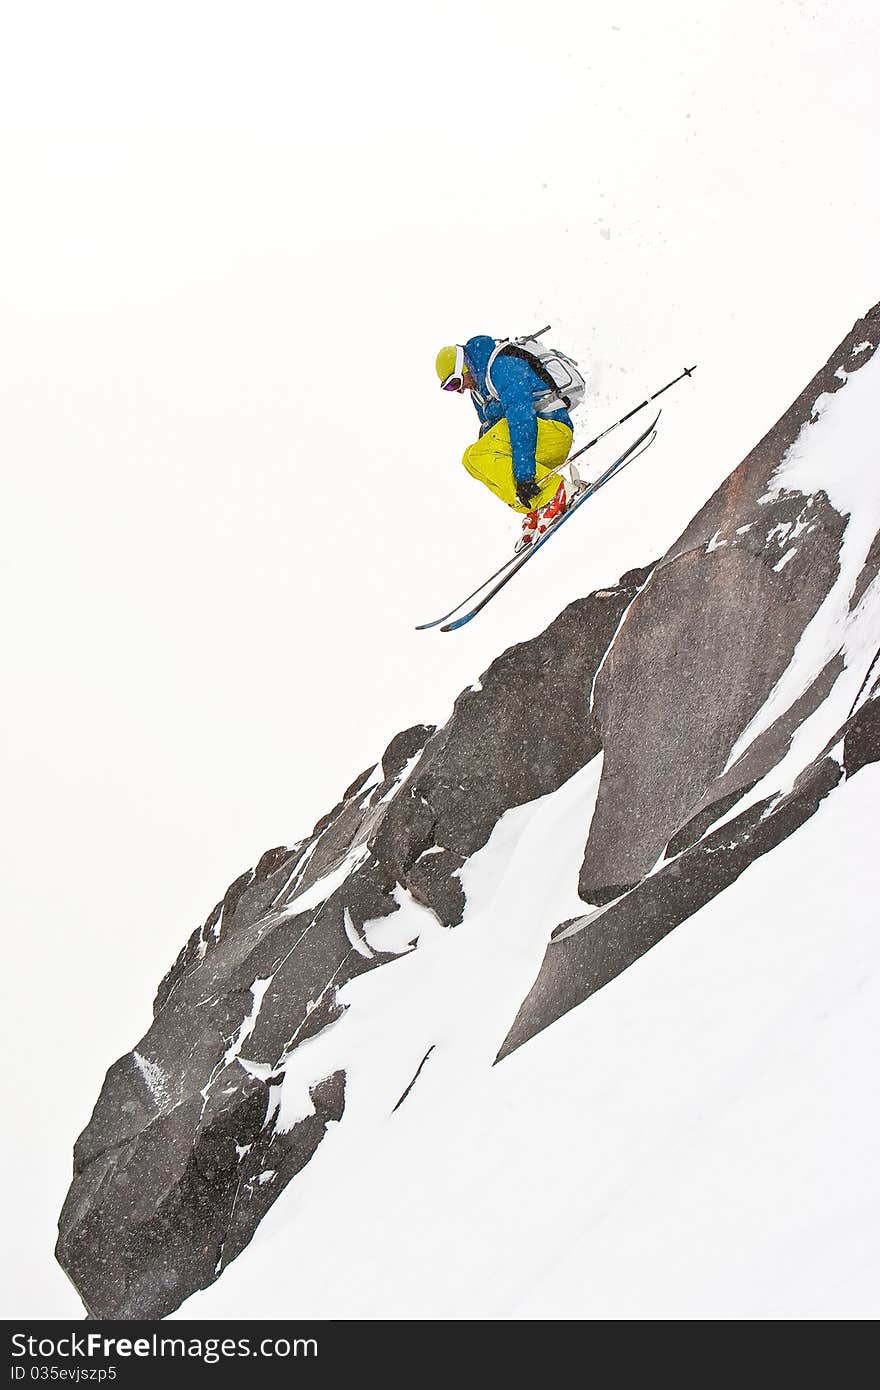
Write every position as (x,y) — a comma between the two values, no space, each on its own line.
(838,451)
(156,1080)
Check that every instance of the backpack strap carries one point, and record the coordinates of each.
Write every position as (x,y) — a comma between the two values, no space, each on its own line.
(491,393)
(555,402)
(535,363)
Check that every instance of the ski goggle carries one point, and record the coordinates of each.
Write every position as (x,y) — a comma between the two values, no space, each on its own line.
(455,380)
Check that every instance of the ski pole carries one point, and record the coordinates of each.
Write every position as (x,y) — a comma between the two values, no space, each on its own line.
(687,372)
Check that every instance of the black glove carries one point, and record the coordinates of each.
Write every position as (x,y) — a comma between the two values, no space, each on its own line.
(526,492)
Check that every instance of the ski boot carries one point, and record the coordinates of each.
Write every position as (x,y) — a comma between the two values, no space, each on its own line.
(536,523)
(528,533)
(578,485)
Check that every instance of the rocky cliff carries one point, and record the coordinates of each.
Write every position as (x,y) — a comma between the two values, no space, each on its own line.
(718,695)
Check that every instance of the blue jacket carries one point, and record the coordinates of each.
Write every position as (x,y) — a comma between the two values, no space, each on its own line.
(517,385)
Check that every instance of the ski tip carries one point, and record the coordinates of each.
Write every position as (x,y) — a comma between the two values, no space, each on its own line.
(465,618)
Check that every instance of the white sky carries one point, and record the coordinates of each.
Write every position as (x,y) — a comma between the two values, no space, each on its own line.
(232,240)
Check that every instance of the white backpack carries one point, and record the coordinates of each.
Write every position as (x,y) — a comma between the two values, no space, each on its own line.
(565,384)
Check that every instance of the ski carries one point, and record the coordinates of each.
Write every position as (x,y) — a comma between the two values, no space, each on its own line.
(508,570)
(423,627)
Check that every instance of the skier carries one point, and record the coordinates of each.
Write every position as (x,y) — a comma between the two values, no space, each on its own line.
(525,428)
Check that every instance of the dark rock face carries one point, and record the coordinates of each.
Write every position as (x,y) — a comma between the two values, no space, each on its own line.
(521,732)
(691,667)
(186,1121)
(181,1198)
(703,645)
(707,640)
(579,963)
(185,1153)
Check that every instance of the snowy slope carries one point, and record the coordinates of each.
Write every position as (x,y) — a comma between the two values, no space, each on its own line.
(699,1142)
(203,206)
(696,1143)
(594,790)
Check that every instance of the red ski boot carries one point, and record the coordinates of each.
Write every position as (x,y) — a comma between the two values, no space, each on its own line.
(536,523)
(529,531)
(553,509)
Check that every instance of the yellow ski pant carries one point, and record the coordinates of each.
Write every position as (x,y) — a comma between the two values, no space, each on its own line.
(490,461)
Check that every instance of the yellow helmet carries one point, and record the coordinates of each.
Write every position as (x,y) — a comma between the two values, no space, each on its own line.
(450,367)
